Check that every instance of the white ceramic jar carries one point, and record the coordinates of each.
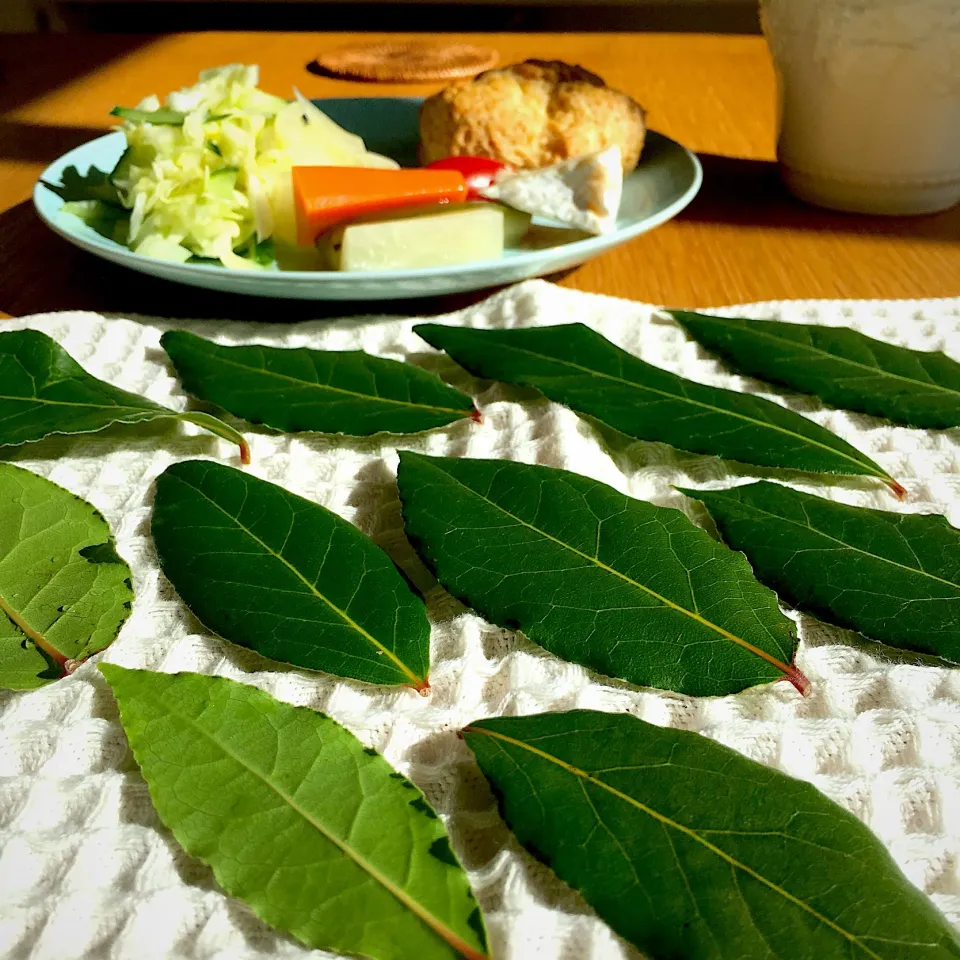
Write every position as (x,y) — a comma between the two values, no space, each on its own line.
(869,96)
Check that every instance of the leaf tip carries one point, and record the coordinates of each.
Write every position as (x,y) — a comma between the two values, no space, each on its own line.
(111,672)
(244,452)
(476,416)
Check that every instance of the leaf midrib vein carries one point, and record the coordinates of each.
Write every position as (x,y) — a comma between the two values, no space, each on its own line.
(848,546)
(687,831)
(412,905)
(698,403)
(596,560)
(37,638)
(95,406)
(312,588)
(324,386)
(875,370)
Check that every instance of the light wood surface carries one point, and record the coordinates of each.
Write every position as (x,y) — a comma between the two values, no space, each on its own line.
(743,239)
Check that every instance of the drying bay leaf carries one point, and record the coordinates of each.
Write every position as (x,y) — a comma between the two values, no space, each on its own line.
(325,391)
(43,390)
(64,592)
(573,365)
(688,849)
(624,587)
(842,367)
(282,575)
(316,833)
(894,577)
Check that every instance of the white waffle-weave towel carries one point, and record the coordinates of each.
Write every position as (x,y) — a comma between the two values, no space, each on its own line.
(87,872)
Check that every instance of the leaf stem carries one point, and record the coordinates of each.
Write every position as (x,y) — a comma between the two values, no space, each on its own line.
(899,490)
(220,429)
(797,678)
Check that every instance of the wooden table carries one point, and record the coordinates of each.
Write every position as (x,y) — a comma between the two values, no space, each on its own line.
(742,239)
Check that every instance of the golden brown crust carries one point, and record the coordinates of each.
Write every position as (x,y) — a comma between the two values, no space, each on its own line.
(530,115)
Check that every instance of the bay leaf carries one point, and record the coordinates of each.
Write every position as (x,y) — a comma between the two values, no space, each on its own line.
(43,391)
(282,575)
(315,832)
(893,577)
(842,367)
(574,365)
(64,591)
(326,391)
(624,587)
(688,849)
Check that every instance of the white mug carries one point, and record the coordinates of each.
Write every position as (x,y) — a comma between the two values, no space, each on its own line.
(869,102)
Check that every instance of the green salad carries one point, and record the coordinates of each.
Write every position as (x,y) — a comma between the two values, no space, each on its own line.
(206,174)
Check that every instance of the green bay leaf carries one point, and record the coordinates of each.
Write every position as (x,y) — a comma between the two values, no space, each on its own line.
(282,575)
(688,849)
(316,833)
(842,367)
(624,587)
(43,391)
(893,577)
(64,591)
(325,391)
(573,365)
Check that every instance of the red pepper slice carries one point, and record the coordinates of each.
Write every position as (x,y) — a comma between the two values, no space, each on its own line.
(479,172)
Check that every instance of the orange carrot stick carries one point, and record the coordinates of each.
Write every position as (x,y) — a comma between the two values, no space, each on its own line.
(324,196)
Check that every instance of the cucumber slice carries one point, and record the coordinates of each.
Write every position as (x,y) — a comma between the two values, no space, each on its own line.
(165,116)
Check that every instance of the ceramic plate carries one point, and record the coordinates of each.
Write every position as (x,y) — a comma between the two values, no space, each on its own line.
(666,180)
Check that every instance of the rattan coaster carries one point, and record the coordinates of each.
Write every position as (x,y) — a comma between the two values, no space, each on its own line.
(407,61)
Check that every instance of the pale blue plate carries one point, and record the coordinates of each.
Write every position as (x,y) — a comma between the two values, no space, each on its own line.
(666,180)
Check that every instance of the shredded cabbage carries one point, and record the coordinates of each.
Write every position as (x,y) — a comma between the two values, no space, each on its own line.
(219,184)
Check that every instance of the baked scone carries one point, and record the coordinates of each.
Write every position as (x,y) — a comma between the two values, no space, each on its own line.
(531,114)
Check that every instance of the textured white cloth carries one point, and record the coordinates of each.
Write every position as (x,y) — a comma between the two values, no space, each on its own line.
(86,869)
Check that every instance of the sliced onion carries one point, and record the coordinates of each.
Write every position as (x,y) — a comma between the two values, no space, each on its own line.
(136,217)
(228,258)
(149,104)
(378,160)
(259,206)
(345,140)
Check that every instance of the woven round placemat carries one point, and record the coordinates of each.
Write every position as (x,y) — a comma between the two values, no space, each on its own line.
(407,61)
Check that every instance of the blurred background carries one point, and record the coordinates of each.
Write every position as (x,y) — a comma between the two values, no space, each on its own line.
(156,16)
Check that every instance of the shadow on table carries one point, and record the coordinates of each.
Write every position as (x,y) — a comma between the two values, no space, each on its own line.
(41,272)
(749,193)
(39,142)
(25,75)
